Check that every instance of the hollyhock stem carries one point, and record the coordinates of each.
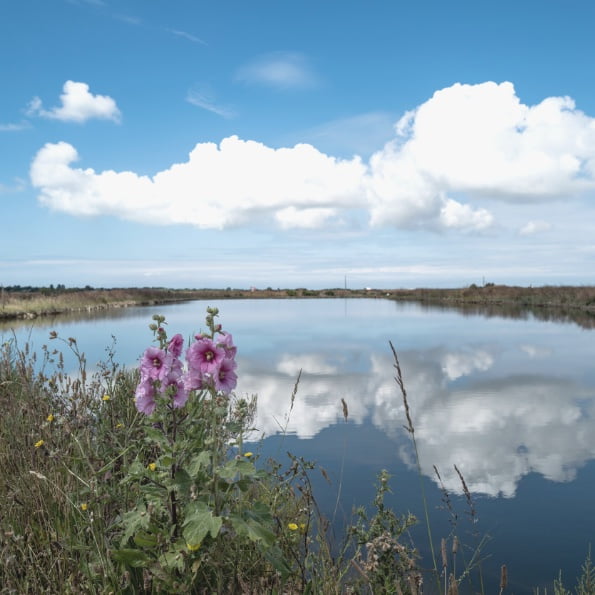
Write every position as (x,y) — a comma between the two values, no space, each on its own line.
(172,493)
(214,451)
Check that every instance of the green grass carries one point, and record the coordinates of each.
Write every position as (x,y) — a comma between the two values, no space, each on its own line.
(94,499)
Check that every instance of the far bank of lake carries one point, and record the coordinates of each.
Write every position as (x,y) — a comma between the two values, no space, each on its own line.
(562,303)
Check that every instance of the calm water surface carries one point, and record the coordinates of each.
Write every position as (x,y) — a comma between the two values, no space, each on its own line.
(509,401)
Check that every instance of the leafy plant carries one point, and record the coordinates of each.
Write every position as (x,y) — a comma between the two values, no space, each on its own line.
(201,516)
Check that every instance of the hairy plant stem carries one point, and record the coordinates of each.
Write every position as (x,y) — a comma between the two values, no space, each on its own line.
(172,494)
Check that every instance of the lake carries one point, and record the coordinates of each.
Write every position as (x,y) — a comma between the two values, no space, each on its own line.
(509,401)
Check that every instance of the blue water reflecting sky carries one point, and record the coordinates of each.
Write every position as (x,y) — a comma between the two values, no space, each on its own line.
(509,401)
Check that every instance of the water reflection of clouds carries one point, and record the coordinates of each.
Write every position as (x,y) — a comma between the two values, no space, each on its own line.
(496,430)
(455,365)
(536,351)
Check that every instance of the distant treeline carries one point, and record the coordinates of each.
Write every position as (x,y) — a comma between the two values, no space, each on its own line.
(59,288)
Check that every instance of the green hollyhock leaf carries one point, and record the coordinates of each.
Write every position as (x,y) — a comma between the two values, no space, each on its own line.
(199,522)
(131,557)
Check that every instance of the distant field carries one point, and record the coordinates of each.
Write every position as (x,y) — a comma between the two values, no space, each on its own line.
(30,302)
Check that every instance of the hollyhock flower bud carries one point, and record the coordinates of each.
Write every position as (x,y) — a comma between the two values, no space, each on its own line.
(175,345)
(226,341)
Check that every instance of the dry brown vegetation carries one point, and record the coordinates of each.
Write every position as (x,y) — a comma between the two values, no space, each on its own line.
(572,303)
(490,294)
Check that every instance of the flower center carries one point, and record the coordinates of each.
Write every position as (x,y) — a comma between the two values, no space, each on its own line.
(156,362)
(209,355)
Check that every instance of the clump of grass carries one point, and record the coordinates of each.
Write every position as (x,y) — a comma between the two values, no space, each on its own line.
(585,584)
(59,435)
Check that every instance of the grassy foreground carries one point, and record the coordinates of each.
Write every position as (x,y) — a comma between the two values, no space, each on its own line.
(99,498)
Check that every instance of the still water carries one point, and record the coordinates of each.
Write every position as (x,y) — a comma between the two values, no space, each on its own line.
(509,401)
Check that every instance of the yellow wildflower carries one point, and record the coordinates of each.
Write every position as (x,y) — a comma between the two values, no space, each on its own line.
(50,418)
(248,454)
(193,546)
(39,444)
(106,398)
(152,466)
(292,527)
(118,426)
(302,526)
(84,506)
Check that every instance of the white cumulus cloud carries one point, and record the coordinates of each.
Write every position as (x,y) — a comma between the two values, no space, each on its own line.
(78,105)
(480,141)
(464,146)
(218,186)
(305,218)
(533,227)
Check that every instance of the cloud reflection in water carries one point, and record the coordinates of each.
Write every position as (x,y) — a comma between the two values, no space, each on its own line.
(496,429)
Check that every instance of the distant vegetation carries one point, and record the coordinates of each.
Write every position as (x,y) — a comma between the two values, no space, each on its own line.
(575,303)
(491,294)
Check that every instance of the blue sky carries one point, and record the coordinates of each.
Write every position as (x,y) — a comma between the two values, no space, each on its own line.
(293,144)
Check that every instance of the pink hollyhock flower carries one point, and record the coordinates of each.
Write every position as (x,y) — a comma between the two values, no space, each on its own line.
(175,345)
(175,371)
(227,343)
(225,379)
(203,355)
(193,380)
(155,364)
(145,397)
(175,388)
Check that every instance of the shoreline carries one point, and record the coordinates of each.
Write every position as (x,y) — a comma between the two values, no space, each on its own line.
(37,302)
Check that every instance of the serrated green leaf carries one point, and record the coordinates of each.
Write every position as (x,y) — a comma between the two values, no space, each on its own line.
(135,470)
(134,521)
(278,562)
(153,491)
(252,529)
(200,461)
(222,485)
(182,482)
(236,467)
(199,522)
(131,557)
(154,435)
(243,484)
(255,524)
(260,512)
(145,539)
(172,560)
